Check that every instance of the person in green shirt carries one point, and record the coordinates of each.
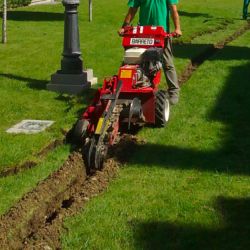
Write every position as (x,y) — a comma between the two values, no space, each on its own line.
(245,8)
(157,13)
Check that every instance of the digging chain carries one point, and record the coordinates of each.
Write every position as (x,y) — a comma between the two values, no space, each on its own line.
(112,130)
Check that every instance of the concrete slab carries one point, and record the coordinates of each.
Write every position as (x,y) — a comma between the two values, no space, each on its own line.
(30,126)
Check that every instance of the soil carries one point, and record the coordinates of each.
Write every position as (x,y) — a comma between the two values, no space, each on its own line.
(36,221)
(209,52)
(30,164)
(223,26)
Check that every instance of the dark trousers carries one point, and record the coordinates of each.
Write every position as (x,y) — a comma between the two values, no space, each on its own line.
(245,8)
(169,68)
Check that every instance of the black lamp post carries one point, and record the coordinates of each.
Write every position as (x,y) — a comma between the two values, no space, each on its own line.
(71,62)
(71,78)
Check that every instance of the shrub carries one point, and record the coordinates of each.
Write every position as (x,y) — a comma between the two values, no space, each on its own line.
(15,3)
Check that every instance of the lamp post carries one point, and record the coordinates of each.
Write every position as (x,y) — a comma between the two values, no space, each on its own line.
(71,78)
(4,21)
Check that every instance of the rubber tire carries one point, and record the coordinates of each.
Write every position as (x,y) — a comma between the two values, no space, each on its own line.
(80,129)
(162,108)
(87,158)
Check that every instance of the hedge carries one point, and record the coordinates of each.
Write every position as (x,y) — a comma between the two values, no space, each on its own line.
(15,3)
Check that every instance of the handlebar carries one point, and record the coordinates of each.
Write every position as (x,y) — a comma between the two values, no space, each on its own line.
(172,34)
(127,29)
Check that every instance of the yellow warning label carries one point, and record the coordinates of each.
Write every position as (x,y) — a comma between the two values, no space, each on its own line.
(99,126)
(126,73)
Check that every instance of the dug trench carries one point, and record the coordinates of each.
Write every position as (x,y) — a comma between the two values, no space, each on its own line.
(35,222)
(210,51)
(13,170)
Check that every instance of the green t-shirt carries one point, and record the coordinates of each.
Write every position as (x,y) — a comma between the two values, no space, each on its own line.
(153,12)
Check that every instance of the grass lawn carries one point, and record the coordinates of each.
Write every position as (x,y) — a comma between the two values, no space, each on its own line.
(188,183)
(33,53)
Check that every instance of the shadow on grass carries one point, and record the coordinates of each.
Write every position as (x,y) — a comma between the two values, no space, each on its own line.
(194,14)
(84,98)
(34,16)
(231,108)
(189,50)
(32,83)
(234,234)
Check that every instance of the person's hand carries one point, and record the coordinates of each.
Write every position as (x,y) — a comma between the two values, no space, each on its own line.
(178,32)
(121,31)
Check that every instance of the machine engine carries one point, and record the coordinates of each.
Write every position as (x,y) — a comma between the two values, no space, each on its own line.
(148,61)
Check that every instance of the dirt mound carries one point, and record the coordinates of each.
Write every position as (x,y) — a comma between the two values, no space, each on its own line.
(35,221)
(48,235)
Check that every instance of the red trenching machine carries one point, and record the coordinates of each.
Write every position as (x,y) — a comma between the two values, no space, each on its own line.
(129,98)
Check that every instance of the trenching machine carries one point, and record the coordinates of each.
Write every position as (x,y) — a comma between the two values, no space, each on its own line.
(129,98)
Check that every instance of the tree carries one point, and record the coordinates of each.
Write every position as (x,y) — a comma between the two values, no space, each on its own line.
(90,10)
(4,22)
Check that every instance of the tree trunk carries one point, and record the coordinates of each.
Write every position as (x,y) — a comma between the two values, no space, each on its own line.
(90,10)
(4,24)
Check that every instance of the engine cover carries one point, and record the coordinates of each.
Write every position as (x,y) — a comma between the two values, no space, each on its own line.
(133,56)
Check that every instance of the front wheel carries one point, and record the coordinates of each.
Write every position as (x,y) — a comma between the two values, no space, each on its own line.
(162,108)
(80,129)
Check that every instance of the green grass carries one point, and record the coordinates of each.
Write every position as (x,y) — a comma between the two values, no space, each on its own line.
(33,53)
(188,186)
(12,188)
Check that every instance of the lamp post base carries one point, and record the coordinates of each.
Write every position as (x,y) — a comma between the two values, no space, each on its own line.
(71,83)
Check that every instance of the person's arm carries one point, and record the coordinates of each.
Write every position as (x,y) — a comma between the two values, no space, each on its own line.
(128,19)
(176,19)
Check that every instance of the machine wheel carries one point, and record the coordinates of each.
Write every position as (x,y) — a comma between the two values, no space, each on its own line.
(93,155)
(162,108)
(80,129)
(88,151)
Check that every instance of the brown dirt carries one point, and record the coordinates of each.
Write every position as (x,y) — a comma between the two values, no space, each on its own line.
(209,52)
(35,221)
(196,62)
(18,168)
(30,164)
(222,26)
(126,147)
(34,208)
(50,147)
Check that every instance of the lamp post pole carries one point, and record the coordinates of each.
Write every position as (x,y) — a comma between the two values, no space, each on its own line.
(71,78)
(71,61)
(4,22)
